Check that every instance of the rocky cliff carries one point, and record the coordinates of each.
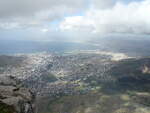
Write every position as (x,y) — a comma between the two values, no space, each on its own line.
(14,98)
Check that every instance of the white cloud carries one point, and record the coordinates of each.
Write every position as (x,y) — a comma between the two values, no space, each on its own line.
(13,8)
(131,18)
(103,4)
(103,16)
(44,30)
(29,13)
(77,23)
(26,13)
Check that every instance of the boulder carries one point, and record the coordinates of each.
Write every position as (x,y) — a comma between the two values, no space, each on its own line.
(14,98)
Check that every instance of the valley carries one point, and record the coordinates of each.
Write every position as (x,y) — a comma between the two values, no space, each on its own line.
(83,81)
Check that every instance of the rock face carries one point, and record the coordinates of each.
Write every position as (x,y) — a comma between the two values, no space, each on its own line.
(14,98)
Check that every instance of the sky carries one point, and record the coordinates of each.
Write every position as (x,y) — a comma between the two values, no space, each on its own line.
(72,20)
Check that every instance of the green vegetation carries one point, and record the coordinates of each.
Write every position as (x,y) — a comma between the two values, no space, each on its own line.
(92,102)
(97,102)
(6,109)
(10,61)
(48,77)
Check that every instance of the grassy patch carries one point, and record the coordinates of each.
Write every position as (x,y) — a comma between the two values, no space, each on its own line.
(6,109)
(48,77)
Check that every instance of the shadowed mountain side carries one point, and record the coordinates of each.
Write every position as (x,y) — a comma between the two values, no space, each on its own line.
(133,74)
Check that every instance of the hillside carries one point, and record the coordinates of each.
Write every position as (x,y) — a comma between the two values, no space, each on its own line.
(85,82)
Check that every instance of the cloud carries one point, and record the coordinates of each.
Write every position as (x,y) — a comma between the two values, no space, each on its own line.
(103,4)
(99,16)
(28,13)
(77,23)
(30,7)
(133,18)
(33,13)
